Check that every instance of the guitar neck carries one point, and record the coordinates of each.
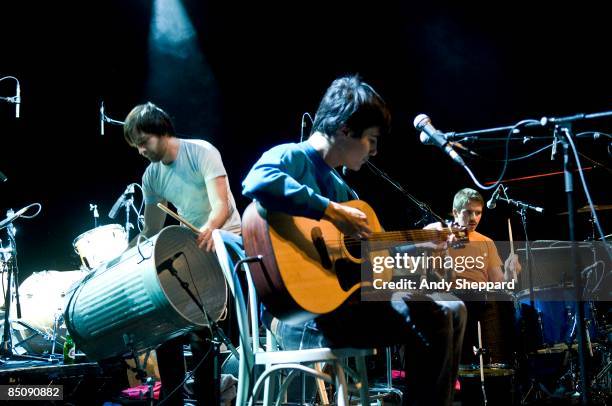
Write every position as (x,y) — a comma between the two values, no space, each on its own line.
(393,237)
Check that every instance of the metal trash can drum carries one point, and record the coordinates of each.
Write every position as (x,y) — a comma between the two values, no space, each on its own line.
(134,302)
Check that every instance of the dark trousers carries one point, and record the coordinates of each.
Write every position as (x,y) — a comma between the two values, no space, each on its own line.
(431,328)
(171,363)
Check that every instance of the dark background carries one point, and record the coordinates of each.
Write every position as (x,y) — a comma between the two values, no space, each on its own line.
(249,73)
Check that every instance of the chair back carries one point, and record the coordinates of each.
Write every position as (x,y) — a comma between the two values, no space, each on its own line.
(229,250)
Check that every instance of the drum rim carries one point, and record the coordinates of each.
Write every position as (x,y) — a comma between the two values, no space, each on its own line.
(106,226)
(546,288)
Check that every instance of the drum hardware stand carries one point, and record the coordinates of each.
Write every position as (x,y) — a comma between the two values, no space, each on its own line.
(604,375)
(94,208)
(479,352)
(141,374)
(128,205)
(45,336)
(6,346)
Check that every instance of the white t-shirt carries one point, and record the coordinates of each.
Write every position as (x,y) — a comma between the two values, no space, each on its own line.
(183,183)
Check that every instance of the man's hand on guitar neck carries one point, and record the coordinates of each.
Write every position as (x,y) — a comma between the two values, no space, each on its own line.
(439,245)
(348,220)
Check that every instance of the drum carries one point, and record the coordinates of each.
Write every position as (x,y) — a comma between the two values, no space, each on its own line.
(100,244)
(135,303)
(42,296)
(553,320)
(496,313)
(499,385)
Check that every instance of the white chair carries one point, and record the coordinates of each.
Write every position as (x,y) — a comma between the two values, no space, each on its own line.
(231,256)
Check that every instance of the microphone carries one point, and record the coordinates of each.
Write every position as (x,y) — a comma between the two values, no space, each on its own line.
(120,202)
(17,100)
(102,118)
(492,202)
(429,135)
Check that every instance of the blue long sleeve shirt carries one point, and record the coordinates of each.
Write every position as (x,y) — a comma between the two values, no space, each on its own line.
(294,179)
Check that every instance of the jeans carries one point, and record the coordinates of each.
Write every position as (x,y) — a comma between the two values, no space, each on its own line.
(431,327)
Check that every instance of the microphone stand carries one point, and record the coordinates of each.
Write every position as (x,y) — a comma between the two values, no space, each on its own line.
(544,121)
(562,132)
(107,119)
(6,346)
(522,212)
(427,212)
(218,334)
(565,127)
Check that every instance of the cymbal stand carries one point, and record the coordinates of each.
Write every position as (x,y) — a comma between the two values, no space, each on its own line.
(6,346)
(129,205)
(94,208)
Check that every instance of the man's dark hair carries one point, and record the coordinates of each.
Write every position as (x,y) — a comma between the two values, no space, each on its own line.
(146,119)
(351,102)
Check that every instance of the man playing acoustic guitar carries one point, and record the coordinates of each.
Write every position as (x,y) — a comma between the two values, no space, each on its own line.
(300,180)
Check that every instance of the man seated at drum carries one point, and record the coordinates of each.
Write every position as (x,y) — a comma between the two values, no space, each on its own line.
(188,173)
(468,207)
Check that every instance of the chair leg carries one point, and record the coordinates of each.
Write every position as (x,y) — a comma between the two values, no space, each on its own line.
(341,385)
(270,384)
(270,389)
(303,379)
(318,366)
(363,378)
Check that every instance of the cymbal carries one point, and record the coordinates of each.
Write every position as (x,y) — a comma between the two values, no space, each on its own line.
(587,209)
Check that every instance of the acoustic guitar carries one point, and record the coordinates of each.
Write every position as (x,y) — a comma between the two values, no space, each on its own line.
(309,267)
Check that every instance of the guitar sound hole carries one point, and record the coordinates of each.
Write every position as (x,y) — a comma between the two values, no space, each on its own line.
(353,246)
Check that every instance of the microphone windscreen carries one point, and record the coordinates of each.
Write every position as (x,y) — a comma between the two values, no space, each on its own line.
(420,121)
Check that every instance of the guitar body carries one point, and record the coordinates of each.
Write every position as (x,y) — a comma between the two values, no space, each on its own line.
(309,268)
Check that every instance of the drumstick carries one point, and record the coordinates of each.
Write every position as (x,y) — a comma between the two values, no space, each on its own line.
(510,236)
(179,218)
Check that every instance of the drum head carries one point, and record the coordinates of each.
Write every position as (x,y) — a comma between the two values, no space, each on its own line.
(42,297)
(100,244)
